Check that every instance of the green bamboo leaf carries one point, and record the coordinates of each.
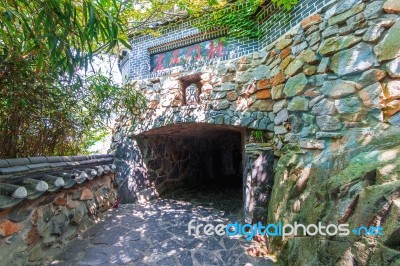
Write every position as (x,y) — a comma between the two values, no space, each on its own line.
(125,43)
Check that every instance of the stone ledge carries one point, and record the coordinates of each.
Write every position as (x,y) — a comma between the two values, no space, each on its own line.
(49,159)
(34,232)
(15,166)
(24,179)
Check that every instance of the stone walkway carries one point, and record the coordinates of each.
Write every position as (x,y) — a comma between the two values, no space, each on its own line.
(156,234)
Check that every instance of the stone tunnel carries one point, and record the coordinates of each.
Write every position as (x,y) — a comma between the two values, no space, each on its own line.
(192,154)
(204,157)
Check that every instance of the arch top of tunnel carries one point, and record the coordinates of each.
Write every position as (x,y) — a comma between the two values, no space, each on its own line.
(193,130)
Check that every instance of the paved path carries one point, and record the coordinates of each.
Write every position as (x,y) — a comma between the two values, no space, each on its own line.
(156,234)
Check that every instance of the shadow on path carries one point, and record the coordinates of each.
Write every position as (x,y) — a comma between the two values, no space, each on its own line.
(156,233)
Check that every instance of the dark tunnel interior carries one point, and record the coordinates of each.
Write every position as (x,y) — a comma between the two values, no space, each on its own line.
(199,163)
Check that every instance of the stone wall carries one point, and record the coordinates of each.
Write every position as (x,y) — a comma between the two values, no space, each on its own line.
(275,22)
(326,95)
(353,112)
(35,231)
(131,175)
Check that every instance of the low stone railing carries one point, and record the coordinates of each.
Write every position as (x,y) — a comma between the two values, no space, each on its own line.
(47,201)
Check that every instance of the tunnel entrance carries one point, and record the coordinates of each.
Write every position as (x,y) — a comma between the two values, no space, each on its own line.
(195,162)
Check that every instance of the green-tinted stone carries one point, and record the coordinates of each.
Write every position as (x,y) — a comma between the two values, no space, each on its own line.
(389,47)
(309,56)
(348,105)
(354,60)
(335,44)
(341,18)
(299,103)
(294,67)
(295,85)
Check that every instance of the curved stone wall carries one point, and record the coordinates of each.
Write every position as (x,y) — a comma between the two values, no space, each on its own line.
(46,202)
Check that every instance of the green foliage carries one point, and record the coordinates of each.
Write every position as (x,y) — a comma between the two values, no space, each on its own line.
(287,4)
(93,137)
(236,18)
(47,105)
(39,115)
(257,136)
(64,34)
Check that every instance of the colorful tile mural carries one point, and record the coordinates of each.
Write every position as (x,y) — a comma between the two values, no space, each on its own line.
(200,52)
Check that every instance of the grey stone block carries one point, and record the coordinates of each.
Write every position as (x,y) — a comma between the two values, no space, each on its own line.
(39,166)
(3,164)
(395,120)
(333,135)
(18,162)
(13,170)
(312,144)
(73,163)
(98,156)
(66,158)
(59,164)
(86,162)
(38,159)
(97,161)
(79,158)
(106,160)
(54,159)
(246,121)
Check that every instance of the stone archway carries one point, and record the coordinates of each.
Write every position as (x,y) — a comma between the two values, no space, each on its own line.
(192,153)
